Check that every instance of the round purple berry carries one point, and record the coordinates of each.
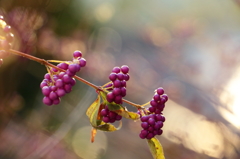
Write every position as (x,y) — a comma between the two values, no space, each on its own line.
(47,101)
(120,76)
(83,62)
(46,90)
(113,76)
(77,54)
(160,91)
(110,97)
(117,83)
(104,112)
(125,69)
(116,70)
(106,119)
(144,125)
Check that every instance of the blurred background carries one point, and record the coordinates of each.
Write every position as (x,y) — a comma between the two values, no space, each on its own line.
(190,48)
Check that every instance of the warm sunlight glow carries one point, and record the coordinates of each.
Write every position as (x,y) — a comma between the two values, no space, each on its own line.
(230,97)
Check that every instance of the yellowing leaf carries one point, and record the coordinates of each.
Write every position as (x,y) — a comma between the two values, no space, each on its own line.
(156,148)
(92,112)
(120,110)
(108,127)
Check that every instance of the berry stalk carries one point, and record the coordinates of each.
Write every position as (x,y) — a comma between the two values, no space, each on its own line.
(46,63)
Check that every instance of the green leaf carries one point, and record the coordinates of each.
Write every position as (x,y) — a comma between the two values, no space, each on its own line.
(92,112)
(156,148)
(120,110)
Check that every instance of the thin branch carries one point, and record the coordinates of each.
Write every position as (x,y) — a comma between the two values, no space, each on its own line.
(46,63)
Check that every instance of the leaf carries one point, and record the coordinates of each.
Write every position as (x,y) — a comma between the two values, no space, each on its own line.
(92,112)
(156,148)
(120,110)
(108,127)
(93,134)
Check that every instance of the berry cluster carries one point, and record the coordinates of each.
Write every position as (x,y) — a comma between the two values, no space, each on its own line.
(109,116)
(56,84)
(6,39)
(119,76)
(152,121)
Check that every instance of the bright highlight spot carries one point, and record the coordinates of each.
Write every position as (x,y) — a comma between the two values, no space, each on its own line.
(230,97)
(192,130)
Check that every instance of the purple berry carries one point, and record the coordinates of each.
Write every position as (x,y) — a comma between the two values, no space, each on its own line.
(46,90)
(61,92)
(63,66)
(66,78)
(123,83)
(158,111)
(158,117)
(151,121)
(73,81)
(165,97)
(116,91)
(156,97)
(123,91)
(126,77)
(160,132)
(150,129)
(68,88)
(144,125)
(153,103)
(159,124)
(120,76)
(47,101)
(47,76)
(53,95)
(116,70)
(163,118)
(142,136)
(149,136)
(73,68)
(118,99)
(118,117)
(110,97)
(144,132)
(43,84)
(56,101)
(59,83)
(117,83)
(125,69)
(83,62)
(144,118)
(77,54)
(106,119)
(113,76)
(104,112)
(152,109)
(70,74)
(160,91)
(112,115)
(61,74)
